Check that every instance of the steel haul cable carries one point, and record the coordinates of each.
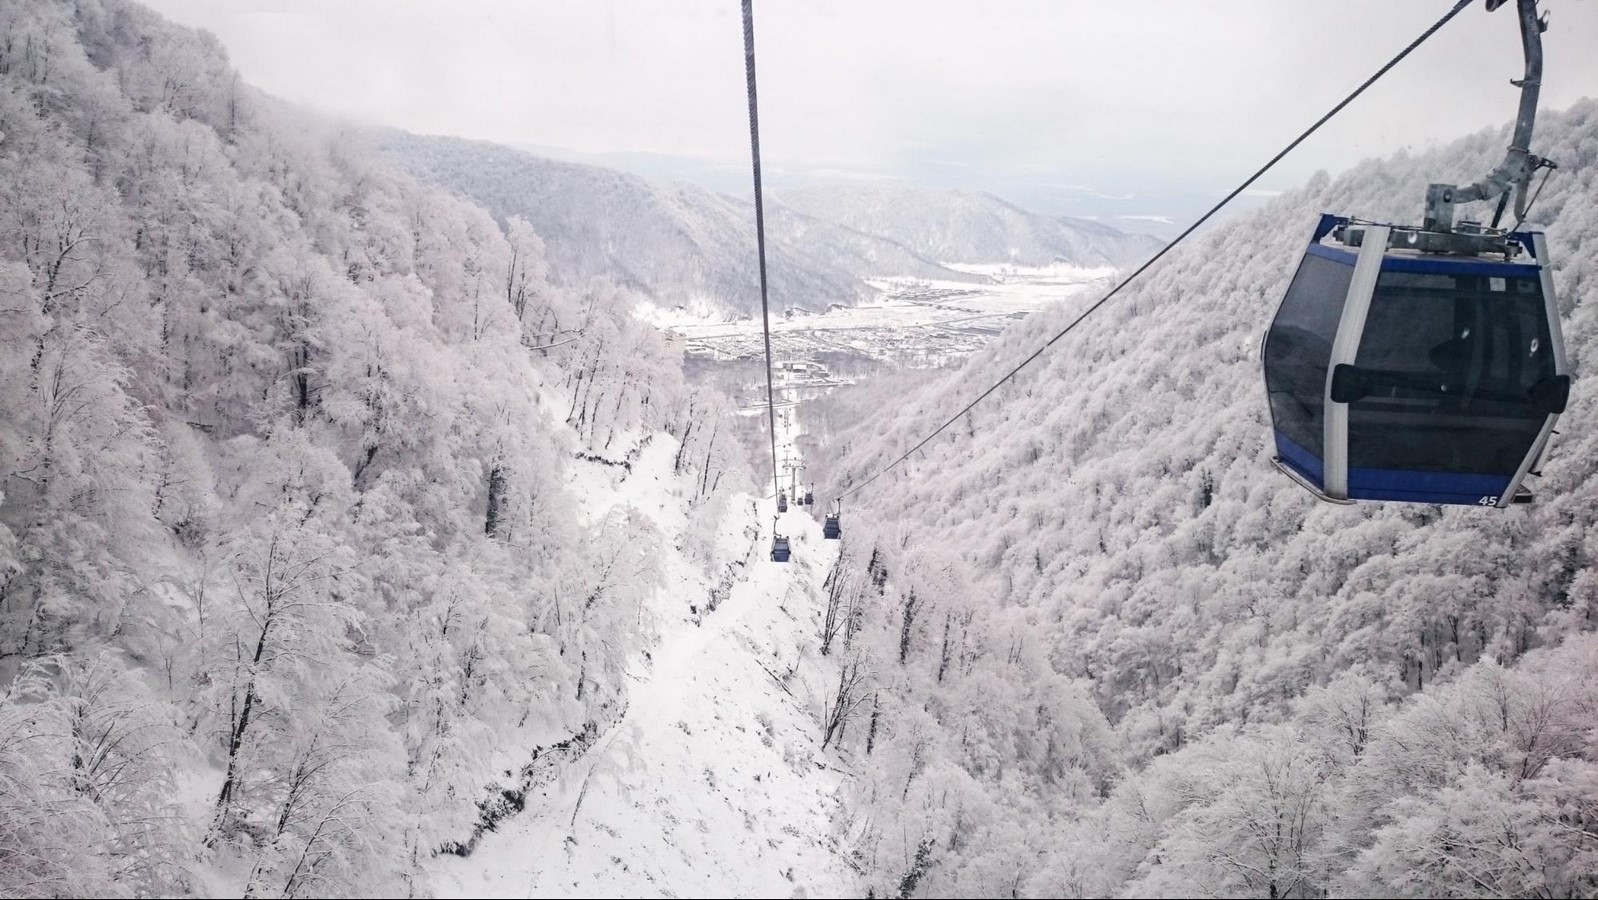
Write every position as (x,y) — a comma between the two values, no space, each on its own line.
(760,229)
(1457,8)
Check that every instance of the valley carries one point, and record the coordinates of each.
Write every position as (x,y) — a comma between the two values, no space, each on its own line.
(915,322)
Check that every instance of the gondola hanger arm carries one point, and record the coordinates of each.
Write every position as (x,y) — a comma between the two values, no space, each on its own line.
(1514,173)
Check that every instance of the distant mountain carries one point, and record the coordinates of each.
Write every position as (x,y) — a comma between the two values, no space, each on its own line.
(676,242)
(680,242)
(958,226)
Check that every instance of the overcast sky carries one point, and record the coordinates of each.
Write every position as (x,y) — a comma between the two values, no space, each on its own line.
(1105,109)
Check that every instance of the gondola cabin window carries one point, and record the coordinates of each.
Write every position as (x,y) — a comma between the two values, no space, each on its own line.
(1298,350)
(1446,364)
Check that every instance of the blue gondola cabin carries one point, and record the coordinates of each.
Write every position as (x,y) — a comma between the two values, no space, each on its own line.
(1398,374)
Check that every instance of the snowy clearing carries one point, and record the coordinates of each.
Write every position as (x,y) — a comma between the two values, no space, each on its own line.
(713,783)
(916,322)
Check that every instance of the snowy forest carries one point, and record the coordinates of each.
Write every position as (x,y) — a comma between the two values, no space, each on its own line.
(290,578)
(355,543)
(1105,649)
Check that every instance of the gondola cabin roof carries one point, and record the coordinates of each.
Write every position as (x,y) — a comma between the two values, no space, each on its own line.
(1512,254)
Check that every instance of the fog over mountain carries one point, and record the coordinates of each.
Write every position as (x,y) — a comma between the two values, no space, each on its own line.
(969,226)
(681,243)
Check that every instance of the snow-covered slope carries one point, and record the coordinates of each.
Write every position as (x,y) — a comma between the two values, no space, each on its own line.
(969,226)
(713,782)
(290,574)
(1118,505)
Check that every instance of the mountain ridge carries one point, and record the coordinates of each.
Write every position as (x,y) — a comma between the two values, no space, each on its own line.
(682,243)
(981,227)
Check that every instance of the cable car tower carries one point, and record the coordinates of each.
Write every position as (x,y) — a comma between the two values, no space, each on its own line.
(794,467)
(1424,363)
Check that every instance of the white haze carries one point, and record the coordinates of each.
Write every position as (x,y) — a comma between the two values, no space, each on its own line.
(1076,108)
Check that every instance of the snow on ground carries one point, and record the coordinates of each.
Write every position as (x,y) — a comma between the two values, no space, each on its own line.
(697,311)
(1060,272)
(932,320)
(713,784)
